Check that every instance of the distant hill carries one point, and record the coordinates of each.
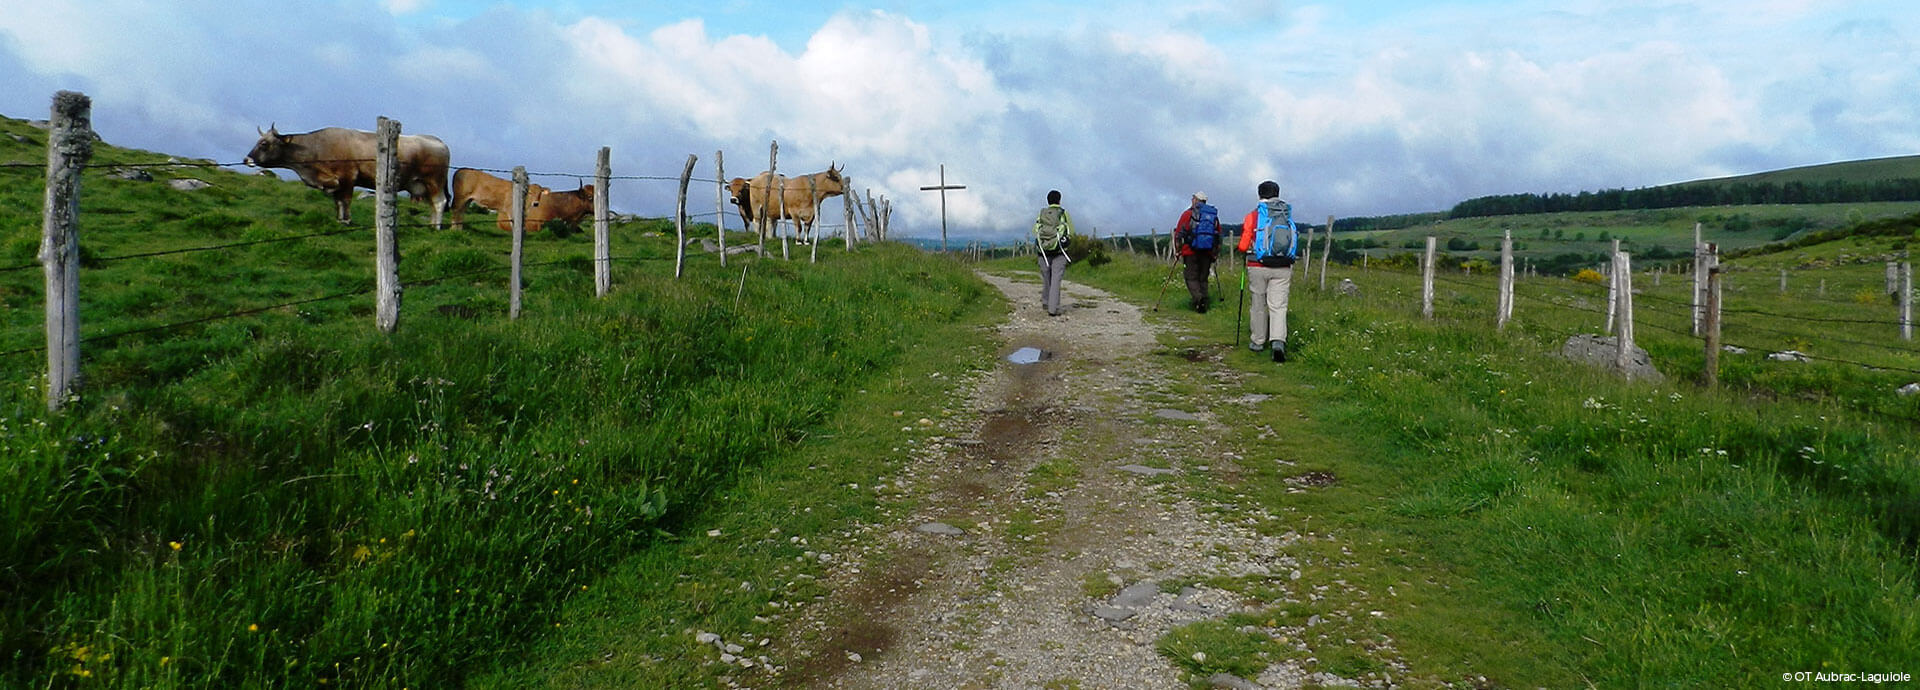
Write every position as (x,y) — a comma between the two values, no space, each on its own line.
(1878,180)
(1861,171)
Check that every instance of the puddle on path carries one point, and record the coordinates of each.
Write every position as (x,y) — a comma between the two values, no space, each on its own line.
(1027,355)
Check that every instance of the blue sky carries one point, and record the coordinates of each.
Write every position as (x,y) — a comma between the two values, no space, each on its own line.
(1127,107)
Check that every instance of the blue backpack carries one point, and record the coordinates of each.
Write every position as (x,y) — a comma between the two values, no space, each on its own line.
(1273,243)
(1204,235)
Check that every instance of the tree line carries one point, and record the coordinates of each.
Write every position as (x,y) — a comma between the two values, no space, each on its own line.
(1696,194)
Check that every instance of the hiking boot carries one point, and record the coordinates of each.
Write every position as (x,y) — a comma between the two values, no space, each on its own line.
(1279,352)
(1256,347)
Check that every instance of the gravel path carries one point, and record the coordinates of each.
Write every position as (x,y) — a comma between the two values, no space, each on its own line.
(1044,540)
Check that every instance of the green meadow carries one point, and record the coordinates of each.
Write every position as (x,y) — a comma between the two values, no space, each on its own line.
(288,497)
(1519,520)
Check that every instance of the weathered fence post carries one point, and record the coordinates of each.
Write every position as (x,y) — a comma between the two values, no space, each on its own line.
(1426,277)
(1699,280)
(1623,270)
(846,210)
(1712,328)
(763,225)
(1306,258)
(680,218)
(813,226)
(1783,281)
(1893,277)
(602,245)
(1326,256)
(1505,307)
(519,240)
(69,147)
(720,204)
(1613,285)
(386,216)
(1906,300)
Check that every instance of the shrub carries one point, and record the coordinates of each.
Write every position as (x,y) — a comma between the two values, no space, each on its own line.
(1588,275)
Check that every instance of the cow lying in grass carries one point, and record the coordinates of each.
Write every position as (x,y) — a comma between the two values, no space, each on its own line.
(495,194)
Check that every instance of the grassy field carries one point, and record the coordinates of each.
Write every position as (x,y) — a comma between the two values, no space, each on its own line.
(1872,170)
(1660,233)
(289,498)
(1525,519)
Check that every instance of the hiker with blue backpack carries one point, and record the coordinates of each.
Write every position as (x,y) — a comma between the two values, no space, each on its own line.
(1267,240)
(1198,236)
(1052,230)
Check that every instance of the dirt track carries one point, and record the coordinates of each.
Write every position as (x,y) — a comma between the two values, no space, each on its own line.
(1046,540)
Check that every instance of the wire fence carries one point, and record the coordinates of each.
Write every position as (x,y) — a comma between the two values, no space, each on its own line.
(1857,337)
(874,214)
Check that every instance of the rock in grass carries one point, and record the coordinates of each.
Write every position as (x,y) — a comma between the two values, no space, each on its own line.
(1603,351)
(1788,356)
(1910,389)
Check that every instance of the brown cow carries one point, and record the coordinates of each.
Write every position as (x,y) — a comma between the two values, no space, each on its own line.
(493,194)
(567,207)
(737,190)
(792,203)
(335,160)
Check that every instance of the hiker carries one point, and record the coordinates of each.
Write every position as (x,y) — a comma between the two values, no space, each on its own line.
(1198,236)
(1267,239)
(1051,231)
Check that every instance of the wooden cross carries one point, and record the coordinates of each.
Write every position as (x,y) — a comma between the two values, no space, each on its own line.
(943,202)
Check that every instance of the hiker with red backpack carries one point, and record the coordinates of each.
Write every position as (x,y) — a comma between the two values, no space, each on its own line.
(1198,236)
(1267,240)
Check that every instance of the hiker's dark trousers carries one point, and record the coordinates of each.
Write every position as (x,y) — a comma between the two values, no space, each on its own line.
(1198,264)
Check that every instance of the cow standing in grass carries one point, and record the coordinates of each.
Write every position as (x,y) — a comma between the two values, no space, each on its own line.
(792,203)
(335,160)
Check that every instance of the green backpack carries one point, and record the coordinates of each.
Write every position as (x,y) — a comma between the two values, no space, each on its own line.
(1050,228)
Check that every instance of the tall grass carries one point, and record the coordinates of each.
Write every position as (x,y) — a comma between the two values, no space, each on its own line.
(292,498)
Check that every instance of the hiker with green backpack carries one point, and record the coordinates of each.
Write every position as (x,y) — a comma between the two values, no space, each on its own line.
(1051,232)
(1198,236)
(1267,239)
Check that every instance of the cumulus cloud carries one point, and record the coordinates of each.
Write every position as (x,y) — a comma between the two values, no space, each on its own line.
(1126,112)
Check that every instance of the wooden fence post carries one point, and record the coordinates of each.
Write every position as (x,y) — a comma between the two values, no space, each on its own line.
(813,226)
(846,209)
(1426,277)
(763,225)
(1623,270)
(1783,281)
(519,240)
(386,216)
(680,218)
(1712,328)
(1326,256)
(1306,257)
(1504,310)
(1699,280)
(602,245)
(1906,300)
(720,204)
(1613,285)
(69,147)
(1893,277)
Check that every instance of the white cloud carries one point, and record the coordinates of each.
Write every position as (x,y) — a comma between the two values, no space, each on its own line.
(1125,111)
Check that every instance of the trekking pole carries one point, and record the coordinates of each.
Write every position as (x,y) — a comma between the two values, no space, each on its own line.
(1164,280)
(1242,306)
